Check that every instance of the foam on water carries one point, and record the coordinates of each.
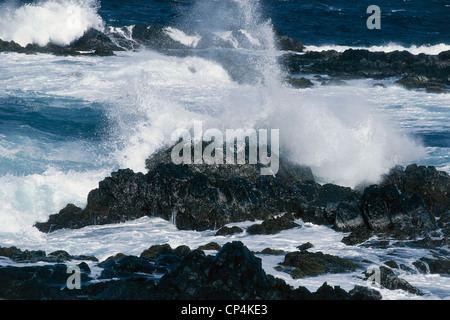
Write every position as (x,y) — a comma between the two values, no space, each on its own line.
(41,22)
(31,198)
(427,49)
(133,237)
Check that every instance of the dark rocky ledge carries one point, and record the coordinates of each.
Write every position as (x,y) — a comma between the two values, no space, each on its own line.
(163,273)
(93,42)
(421,71)
(198,197)
(408,203)
(142,36)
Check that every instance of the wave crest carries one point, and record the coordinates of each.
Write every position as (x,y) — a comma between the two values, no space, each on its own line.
(51,21)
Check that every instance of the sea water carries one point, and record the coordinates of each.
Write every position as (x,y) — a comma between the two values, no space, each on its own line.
(67,122)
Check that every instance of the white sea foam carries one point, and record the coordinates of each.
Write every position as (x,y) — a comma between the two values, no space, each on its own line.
(183,38)
(133,237)
(31,198)
(427,49)
(41,22)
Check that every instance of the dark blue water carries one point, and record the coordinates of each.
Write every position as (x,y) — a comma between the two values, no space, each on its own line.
(339,22)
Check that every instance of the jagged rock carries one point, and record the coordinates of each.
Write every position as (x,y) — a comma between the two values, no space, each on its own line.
(302,264)
(356,237)
(274,225)
(94,40)
(285,43)
(194,197)
(154,250)
(154,37)
(300,82)
(32,256)
(270,251)
(432,185)
(433,266)
(389,280)
(305,246)
(364,293)
(37,282)
(210,246)
(225,231)
(420,71)
(384,209)
(391,264)
(127,267)
(410,82)
(233,273)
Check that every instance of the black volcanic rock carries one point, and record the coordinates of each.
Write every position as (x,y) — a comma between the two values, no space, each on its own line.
(233,273)
(409,82)
(33,256)
(202,197)
(432,185)
(153,36)
(300,82)
(416,71)
(225,231)
(300,264)
(196,197)
(385,209)
(93,41)
(274,225)
(389,280)
(285,43)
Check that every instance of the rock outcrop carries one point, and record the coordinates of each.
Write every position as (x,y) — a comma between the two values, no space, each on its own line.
(430,72)
(171,274)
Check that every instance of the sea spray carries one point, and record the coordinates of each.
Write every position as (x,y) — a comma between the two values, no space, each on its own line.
(42,22)
(336,133)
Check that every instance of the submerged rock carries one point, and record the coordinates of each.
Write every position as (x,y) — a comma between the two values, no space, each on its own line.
(274,225)
(225,231)
(302,264)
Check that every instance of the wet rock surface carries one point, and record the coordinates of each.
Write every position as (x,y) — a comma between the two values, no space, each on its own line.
(409,203)
(233,273)
(389,280)
(300,264)
(430,72)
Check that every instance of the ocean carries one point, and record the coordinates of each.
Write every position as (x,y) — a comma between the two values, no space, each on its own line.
(67,122)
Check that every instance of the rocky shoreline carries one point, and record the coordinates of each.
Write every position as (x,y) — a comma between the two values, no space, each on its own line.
(160,273)
(410,206)
(414,71)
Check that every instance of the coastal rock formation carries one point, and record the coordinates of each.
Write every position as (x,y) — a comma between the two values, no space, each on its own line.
(416,71)
(172,274)
(197,197)
(389,280)
(145,36)
(384,209)
(300,264)
(202,197)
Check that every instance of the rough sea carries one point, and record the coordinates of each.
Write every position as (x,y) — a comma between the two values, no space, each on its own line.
(67,122)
